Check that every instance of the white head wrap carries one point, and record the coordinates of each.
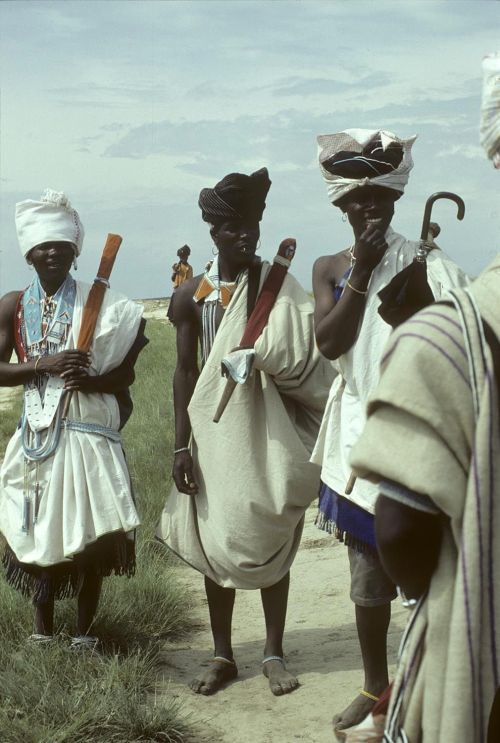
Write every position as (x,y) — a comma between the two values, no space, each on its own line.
(355,140)
(489,132)
(48,220)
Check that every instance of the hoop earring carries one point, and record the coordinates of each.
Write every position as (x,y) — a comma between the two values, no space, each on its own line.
(258,244)
(344,217)
(215,250)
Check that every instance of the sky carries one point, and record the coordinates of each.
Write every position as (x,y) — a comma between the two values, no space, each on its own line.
(132,107)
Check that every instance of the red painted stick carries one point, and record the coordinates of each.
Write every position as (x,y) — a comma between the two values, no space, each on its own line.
(260,314)
(94,300)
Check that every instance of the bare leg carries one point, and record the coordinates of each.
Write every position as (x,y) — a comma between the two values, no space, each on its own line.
(372,623)
(44,617)
(220,606)
(88,599)
(274,603)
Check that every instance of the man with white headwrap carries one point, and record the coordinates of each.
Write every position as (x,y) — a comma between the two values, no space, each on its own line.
(66,507)
(432,445)
(365,172)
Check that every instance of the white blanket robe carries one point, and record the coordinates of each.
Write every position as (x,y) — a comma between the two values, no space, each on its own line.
(86,490)
(345,413)
(243,528)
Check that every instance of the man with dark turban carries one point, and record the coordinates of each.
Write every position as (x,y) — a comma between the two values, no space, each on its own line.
(242,485)
(365,172)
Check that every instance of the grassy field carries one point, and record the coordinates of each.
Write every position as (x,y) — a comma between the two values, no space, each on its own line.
(47,695)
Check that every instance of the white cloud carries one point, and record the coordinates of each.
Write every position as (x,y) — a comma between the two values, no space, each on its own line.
(469,151)
(132,106)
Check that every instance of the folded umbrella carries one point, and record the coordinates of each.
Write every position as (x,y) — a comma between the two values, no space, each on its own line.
(409,290)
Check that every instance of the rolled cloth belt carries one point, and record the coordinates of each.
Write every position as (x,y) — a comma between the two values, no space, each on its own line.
(82,427)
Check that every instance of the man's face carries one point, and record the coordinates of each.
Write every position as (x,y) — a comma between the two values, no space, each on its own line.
(237,241)
(183,256)
(52,260)
(369,205)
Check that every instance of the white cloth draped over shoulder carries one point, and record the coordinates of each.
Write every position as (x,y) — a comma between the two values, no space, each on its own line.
(255,481)
(444,407)
(345,415)
(86,489)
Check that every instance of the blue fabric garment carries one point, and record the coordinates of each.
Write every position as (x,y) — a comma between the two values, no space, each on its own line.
(347,521)
(338,515)
(339,288)
(62,317)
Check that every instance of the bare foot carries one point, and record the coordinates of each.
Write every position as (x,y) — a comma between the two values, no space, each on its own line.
(280,680)
(358,709)
(219,673)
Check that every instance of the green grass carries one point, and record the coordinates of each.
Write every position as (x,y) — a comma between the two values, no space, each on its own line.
(8,422)
(47,695)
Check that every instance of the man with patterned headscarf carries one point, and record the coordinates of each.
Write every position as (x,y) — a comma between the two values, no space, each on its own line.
(66,506)
(432,445)
(242,485)
(366,173)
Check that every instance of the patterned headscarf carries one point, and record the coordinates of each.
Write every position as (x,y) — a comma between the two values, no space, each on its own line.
(236,196)
(490,108)
(364,157)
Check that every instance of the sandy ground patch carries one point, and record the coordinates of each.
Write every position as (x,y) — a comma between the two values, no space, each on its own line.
(155,309)
(321,648)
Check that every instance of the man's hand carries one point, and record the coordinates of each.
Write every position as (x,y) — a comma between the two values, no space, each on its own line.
(72,362)
(369,248)
(77,380)
(182,472)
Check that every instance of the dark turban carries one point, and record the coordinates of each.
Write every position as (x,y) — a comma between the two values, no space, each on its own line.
(236,196)
(373,160)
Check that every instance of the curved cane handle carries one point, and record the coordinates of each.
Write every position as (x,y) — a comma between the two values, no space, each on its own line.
(429,204)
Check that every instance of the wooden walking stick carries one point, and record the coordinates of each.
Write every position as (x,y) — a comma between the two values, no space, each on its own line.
(260,313)
(94,301)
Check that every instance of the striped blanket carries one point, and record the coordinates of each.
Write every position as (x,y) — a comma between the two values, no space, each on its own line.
(433,427)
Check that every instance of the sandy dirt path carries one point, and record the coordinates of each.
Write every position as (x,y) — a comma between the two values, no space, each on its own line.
(320,644)
(321,647)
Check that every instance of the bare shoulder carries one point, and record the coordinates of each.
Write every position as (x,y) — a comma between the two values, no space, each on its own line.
(8,304)
(183,305)
(331,267)
(186,290)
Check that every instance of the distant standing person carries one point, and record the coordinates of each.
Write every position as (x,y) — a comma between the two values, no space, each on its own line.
(181,272)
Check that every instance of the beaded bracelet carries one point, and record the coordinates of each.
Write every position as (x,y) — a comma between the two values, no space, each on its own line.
(183,448)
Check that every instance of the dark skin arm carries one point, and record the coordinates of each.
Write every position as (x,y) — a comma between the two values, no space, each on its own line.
(120,378)
(186,375)
(71,365)
(336,324)
(409,543)
(12,375)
